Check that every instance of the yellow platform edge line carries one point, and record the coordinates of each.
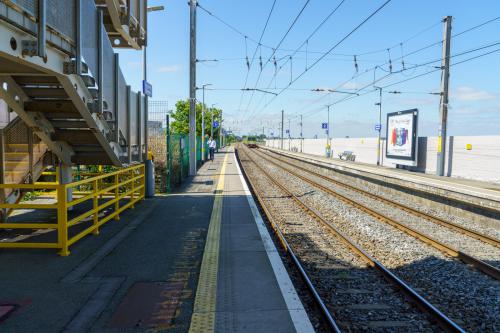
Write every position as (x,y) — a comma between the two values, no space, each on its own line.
(203,318)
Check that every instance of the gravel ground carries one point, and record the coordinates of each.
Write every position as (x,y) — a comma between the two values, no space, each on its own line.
(361,300)
(459,241)
(402,198)
(468,297)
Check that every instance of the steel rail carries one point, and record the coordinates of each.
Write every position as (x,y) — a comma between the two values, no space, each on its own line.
(443,321)
(474,234)
(288,249)
(468,259)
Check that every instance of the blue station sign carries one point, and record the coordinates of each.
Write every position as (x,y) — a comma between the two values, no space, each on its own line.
(147,88)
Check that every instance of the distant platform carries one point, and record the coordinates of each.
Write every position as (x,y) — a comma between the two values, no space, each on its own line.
(479,193)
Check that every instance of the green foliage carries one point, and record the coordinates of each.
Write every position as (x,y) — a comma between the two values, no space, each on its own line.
(180,124)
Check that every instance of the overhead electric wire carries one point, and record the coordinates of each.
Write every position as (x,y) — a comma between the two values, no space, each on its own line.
(256,48)
(303,43)
(274,49)
(411,53)
(414,77)
(332,48)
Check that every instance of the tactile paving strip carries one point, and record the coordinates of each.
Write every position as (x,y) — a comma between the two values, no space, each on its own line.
(203,319)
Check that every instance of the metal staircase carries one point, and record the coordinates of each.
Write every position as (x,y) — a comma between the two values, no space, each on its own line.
(23,158)
(66,84)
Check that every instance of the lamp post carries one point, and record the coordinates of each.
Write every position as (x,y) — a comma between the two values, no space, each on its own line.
(203,122)
(328,146)
(379,123)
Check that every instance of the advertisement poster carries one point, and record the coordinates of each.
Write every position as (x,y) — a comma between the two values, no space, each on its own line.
(401,143)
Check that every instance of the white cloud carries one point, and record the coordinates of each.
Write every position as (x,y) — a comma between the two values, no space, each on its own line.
(169,69)
(469,94)
(351,85)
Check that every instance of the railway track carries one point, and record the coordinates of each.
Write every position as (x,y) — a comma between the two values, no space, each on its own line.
(480,244)
(362,293)
(300,164)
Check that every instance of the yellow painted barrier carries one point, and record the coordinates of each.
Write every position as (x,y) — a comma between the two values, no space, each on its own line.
(118,190)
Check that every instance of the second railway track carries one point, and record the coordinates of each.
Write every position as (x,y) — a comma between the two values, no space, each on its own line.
(361,298)
(465,295)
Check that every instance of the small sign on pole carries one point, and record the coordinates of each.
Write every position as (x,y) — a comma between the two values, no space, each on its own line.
(378,127)
(324,125)
(287,131)
(147,88)
(215,124)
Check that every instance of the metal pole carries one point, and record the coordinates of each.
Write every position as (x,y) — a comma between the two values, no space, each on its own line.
(289,136)
(221,136)
(282,125)
(380,124)
(328,129)
(203,127)
(192,90)
(146,106)
(169,158)
(301,136)
(42,18)
(212,123)
(443,107)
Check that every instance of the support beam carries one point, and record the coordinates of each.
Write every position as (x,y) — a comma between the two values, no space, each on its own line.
(42,26)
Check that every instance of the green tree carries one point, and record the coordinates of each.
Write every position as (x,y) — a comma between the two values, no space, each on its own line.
(180,124)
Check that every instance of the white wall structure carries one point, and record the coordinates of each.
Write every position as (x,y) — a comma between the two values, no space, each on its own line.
(481,162)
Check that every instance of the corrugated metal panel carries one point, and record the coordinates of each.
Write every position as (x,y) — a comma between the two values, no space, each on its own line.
(108,75)
(90,35)
(133,118)
(61,16)
(28,5)
(122,104)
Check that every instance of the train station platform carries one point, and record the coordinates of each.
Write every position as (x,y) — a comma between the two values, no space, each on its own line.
(197,260)
(482,194)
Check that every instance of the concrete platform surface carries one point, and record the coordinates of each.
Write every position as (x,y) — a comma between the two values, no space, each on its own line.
(150,270)
(475,192)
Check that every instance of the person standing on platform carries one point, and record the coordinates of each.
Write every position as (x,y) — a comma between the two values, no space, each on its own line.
(212,144)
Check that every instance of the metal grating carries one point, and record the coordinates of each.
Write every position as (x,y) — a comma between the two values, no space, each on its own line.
(89,35)
(29,6)
(133,118)
(109,76)
(122,104)
(61,15)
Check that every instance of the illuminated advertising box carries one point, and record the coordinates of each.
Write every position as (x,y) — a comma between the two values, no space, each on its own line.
(402,140)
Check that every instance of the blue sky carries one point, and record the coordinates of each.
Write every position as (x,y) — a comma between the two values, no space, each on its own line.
(474,85)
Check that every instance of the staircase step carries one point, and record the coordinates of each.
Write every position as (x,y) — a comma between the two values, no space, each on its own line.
(91,158)
(52,106)
(69,123)
(31,80)
(45,92)
(15,156)
(16,165)
(75,137)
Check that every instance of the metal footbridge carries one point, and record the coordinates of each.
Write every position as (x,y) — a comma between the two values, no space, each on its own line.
(64,100)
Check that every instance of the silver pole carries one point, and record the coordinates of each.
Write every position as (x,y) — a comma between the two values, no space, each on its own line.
(203,127)
(192,89)
(443,106)
(301,136)
(146,104)
(282,126)
(380,124)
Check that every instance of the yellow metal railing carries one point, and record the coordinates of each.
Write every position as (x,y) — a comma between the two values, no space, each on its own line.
(118,190)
